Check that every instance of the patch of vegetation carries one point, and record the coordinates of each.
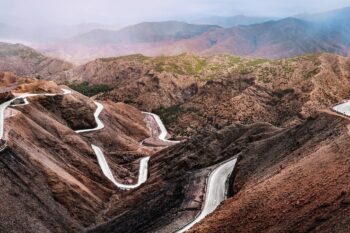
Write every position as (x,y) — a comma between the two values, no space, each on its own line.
(288,69)
(201,64)
(181,64)
(134,57)
(244,70)
(233,60)
(311,73)
(189,68)
(159,67)
(256,62)
(169,115)
(88,89)
(312,57)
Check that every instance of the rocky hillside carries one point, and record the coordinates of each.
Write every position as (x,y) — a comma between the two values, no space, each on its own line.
(25,61)
(147,83)
(295,178)
(190,92)
(295,181)
(50,178)
(174,192)
(52,182)
(282,92)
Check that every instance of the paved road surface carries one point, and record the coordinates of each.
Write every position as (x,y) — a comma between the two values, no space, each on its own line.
(216,191)
(24,96)
(99,123)
(143,168)
(343,108)
(163,132)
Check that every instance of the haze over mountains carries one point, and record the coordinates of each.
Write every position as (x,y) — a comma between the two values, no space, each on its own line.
(227,22)
(238,35)
(260,37)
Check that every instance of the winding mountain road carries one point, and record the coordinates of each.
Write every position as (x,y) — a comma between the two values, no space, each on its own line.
(216,191)
(143,170)
(163,132)
(216,184)
(99,123)
(23,96)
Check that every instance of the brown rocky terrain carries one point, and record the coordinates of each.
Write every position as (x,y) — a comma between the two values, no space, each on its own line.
(145,82)
(289,178)
(295,181)
(189,91)
(282,92)
(25,61)
(286,180)
(50,180)
(174,192)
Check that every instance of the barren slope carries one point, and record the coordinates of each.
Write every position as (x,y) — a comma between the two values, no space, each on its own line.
(51,180)
(189,91)
(296,181)
(282,92)
(25,61)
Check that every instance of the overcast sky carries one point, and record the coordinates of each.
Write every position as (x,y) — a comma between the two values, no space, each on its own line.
(114,12)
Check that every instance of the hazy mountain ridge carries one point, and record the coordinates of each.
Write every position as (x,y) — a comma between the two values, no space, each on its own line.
(232,21)
(275,39)
(26,61)
(287,37)
(148,32)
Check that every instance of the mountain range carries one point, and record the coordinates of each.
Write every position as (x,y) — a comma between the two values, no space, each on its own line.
(198,141)
(24,60)
(227,22)
(327,32)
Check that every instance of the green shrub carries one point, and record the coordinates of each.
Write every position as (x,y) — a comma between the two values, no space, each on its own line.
(169,115)
(90,89)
